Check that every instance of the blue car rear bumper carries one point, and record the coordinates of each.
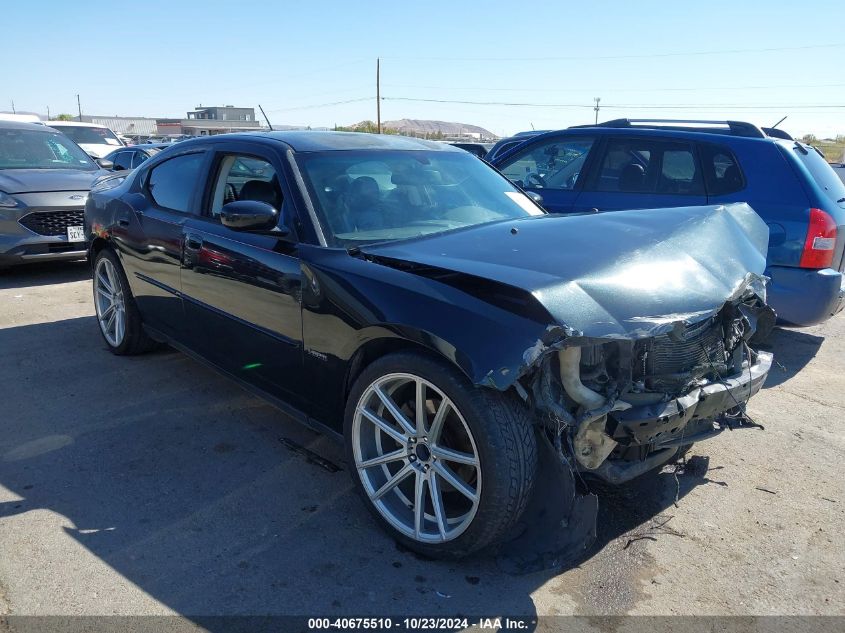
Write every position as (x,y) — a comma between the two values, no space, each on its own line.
(805,297)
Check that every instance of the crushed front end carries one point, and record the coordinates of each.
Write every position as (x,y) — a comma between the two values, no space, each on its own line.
(618,408)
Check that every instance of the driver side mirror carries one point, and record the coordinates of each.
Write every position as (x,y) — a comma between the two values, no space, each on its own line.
(252,215)
(105,164)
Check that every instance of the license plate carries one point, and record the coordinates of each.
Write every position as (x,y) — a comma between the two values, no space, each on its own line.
(75,234)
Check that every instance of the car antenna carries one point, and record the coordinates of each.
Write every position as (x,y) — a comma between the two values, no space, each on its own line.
(270,125)
(779,122)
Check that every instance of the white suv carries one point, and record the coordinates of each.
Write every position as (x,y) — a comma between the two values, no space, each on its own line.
(96,140)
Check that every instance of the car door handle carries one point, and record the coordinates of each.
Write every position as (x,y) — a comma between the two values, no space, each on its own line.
(193,242)
(123,219)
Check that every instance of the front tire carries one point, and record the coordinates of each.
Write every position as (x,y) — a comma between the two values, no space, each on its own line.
(445,467)
(117,315)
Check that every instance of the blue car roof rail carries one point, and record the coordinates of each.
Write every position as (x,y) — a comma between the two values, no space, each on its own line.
(734,128)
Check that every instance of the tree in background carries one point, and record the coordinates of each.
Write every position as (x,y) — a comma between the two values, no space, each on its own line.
(65,117)
(809,138)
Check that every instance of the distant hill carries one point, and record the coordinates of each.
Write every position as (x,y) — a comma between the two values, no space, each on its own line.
(423,127)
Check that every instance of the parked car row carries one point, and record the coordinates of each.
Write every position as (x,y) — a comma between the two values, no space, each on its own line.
(133,155)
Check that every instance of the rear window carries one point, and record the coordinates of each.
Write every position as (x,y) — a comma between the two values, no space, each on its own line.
(171,183)
(821,172)
(88,135)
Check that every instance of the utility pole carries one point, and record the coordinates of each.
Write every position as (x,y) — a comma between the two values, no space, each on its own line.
(597,108)
(13,107)
(48,113)
(79,105)
(378,94)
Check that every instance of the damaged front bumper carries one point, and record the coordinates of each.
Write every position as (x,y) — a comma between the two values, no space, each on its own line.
(617,409)
(692,418)
(654,434)
(664,424)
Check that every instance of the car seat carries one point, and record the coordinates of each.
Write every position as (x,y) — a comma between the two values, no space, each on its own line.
(364,204)
(262,191)
(632,177)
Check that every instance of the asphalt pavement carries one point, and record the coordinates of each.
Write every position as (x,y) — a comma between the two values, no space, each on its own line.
(152,485)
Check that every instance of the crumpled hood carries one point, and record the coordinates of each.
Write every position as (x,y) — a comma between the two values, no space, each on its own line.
(624,274)
(36,180)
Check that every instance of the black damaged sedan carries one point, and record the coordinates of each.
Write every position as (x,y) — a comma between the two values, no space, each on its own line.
(405,296)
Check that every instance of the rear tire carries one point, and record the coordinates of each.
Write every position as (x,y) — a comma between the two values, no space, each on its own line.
(455,473)
(117,314)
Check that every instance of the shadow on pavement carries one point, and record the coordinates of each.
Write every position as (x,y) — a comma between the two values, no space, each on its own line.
(793,349)
(43,274)
(180,482)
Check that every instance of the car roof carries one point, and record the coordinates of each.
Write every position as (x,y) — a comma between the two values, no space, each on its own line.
(715,136)
(20,125)
(319,141)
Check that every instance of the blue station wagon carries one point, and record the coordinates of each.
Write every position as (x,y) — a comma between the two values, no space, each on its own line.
(648,163)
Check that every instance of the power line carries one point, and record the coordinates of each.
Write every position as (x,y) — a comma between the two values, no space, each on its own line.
(323,105)
(680,106)
(605,57)
(498,103)
(608,89)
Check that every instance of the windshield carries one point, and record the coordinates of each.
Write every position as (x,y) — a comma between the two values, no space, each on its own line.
(88,135)
(34,149)
(375,196)
(822,172)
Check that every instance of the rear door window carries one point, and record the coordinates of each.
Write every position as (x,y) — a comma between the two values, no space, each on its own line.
(633,165)
(172,183)
(721,170)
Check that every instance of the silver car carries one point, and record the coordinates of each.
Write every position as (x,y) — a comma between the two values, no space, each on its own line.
(44,180)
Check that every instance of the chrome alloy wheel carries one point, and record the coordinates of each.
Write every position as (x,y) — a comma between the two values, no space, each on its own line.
(109,302)
(416,458)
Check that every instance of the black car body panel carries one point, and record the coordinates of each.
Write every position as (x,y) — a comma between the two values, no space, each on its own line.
(296,320)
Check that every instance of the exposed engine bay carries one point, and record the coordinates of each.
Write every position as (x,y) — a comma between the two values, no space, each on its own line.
(617,408)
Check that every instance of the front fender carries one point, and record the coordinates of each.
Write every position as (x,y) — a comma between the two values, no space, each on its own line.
(348,303)
(491,342)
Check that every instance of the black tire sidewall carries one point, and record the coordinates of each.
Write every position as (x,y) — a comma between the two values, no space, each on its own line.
(133,330)
(474,405)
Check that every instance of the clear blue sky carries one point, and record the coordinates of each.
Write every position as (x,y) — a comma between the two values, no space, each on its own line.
(155,58)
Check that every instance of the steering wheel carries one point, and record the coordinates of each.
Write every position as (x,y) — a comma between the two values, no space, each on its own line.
(535,180)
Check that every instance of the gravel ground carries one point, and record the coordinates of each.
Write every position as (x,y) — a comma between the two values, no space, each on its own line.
(151,485)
